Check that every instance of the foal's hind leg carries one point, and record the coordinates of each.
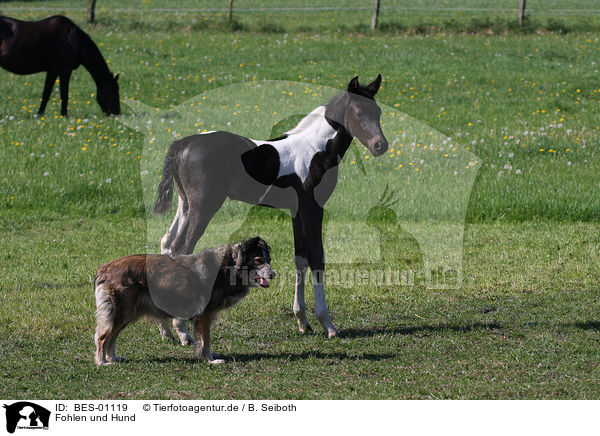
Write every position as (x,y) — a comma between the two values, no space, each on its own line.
(200,211)
(177,227)
(48,85)
(194,222)
(180,326)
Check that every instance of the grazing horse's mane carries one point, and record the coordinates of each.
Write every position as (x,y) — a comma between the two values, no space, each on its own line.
(91,58)
(5,30)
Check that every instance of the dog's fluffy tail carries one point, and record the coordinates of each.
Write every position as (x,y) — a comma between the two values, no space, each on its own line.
(165,188)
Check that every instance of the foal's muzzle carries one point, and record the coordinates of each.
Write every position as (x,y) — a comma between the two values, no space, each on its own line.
(379,147)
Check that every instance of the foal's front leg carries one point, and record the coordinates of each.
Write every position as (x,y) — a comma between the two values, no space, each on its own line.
(312,221)
(301,262)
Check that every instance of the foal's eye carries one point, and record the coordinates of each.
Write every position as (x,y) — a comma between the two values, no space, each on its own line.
(258,259)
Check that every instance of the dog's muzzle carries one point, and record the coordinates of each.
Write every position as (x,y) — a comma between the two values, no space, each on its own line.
(263,276)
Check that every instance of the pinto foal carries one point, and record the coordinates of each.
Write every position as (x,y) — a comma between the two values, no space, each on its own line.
(297,171)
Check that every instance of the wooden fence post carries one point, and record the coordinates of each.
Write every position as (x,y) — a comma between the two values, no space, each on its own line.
(375,15)
(230,14)
(91,11)
(522,11)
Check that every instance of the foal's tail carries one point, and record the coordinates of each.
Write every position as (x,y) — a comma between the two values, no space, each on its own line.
(165,188)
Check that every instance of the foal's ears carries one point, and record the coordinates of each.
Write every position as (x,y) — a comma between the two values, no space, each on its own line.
(353,85)
(373,87)
(116,77)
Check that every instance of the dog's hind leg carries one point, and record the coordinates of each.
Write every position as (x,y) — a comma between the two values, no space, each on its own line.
(111,348)
(104,323)
(101,347)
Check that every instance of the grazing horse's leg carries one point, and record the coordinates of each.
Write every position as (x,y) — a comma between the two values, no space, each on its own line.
(65,77)
(312,221)
(301,262)
(48,85)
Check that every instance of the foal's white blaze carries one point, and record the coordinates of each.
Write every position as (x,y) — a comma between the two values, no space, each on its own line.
(305,140)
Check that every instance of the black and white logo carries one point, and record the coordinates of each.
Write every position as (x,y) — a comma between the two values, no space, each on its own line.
(26,415)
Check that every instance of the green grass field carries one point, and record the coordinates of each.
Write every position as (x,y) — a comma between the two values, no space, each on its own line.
(521,107)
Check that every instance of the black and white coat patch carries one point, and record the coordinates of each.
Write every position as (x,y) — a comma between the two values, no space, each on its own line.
(296,158)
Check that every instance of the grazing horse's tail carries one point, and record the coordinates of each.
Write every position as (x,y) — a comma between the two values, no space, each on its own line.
(165,187)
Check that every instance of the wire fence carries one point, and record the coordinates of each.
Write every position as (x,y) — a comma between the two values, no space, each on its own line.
(431,10)
(327,12)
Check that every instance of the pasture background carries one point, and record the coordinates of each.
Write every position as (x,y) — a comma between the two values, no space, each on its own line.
(525,323)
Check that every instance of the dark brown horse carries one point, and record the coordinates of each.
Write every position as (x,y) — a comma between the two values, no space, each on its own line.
(56,45)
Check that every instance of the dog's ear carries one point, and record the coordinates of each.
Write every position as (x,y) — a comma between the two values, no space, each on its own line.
(237,253)
(263,244)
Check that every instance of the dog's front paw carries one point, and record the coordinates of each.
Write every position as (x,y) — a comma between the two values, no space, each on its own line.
(211,358)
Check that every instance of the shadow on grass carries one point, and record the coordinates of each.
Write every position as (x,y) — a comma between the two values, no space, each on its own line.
(345,334)
(287,356)
(588,325)
(410,330)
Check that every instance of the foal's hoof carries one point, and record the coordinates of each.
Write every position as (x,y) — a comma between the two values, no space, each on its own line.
(333,333)
(305,328)
(186,340)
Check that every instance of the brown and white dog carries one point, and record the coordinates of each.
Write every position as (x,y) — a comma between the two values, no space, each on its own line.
(194,286)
